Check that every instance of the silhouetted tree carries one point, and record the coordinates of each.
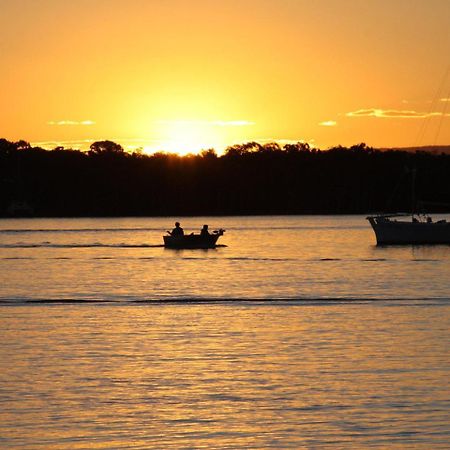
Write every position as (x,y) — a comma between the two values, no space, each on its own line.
(249,178)
(105,147)
(297,147)
(22,145)
(209,153)
(7,147)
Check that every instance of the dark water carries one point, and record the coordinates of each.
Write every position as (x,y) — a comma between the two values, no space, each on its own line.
(299,333)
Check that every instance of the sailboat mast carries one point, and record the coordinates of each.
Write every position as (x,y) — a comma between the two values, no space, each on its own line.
(413,191)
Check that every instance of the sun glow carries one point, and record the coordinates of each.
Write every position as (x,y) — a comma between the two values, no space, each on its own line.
(192,136)
(183,137)
(152,76)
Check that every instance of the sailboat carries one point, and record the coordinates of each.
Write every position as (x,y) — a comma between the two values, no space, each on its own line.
(419,229)
(409,228)
(414,228)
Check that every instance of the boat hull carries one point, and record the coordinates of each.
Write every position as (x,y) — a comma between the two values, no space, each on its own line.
(191,241)
(397,232)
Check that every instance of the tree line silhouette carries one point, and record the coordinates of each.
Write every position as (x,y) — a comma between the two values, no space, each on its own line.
(248,178)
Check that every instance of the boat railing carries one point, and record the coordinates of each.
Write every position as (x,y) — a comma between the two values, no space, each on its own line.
(387,216)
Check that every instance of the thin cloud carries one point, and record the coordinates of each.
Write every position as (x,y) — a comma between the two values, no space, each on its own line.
(232,123)
(216,123)
(393,113)
(71,122)
(414,102)
(150,146)
(328,123)
(282,141)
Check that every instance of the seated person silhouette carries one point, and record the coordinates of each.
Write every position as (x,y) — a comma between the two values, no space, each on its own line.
(204,231)
(177,231)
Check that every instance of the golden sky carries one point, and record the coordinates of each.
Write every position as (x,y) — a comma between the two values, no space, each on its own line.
(181,75)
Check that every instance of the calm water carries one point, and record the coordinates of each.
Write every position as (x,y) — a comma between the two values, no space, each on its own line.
(263,258)
(328,341)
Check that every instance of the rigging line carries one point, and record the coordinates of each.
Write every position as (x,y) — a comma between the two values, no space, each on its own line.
(423,129)
(396,188)
(446,101)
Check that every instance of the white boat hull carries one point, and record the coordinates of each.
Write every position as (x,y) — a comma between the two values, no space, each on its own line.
(389,231)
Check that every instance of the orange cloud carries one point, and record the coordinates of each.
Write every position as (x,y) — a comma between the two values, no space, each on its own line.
(392,113)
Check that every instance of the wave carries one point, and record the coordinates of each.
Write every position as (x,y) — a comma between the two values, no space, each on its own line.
(187,254)
(307,301)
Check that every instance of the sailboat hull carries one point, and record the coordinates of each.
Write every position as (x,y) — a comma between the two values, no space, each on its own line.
(390,232)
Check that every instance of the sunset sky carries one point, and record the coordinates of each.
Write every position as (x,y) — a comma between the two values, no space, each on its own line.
(182,75)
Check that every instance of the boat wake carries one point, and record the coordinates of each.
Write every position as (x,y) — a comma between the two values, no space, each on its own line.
(306,301)
(77,230)
(94,245)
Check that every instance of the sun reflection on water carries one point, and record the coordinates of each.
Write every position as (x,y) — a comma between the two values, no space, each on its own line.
(247,375)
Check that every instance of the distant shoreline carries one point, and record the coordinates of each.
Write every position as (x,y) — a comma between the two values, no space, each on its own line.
(247,180)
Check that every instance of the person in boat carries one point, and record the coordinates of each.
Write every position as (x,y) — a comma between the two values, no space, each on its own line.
(204,231)
(177,231)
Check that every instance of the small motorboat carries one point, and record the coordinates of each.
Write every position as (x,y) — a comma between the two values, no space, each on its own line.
(192,240)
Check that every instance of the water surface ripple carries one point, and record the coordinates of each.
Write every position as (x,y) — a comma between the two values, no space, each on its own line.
(296,257)
(227,375)
(298,332)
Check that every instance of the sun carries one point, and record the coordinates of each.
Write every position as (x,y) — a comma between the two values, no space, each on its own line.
(183,136)
(188,136)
